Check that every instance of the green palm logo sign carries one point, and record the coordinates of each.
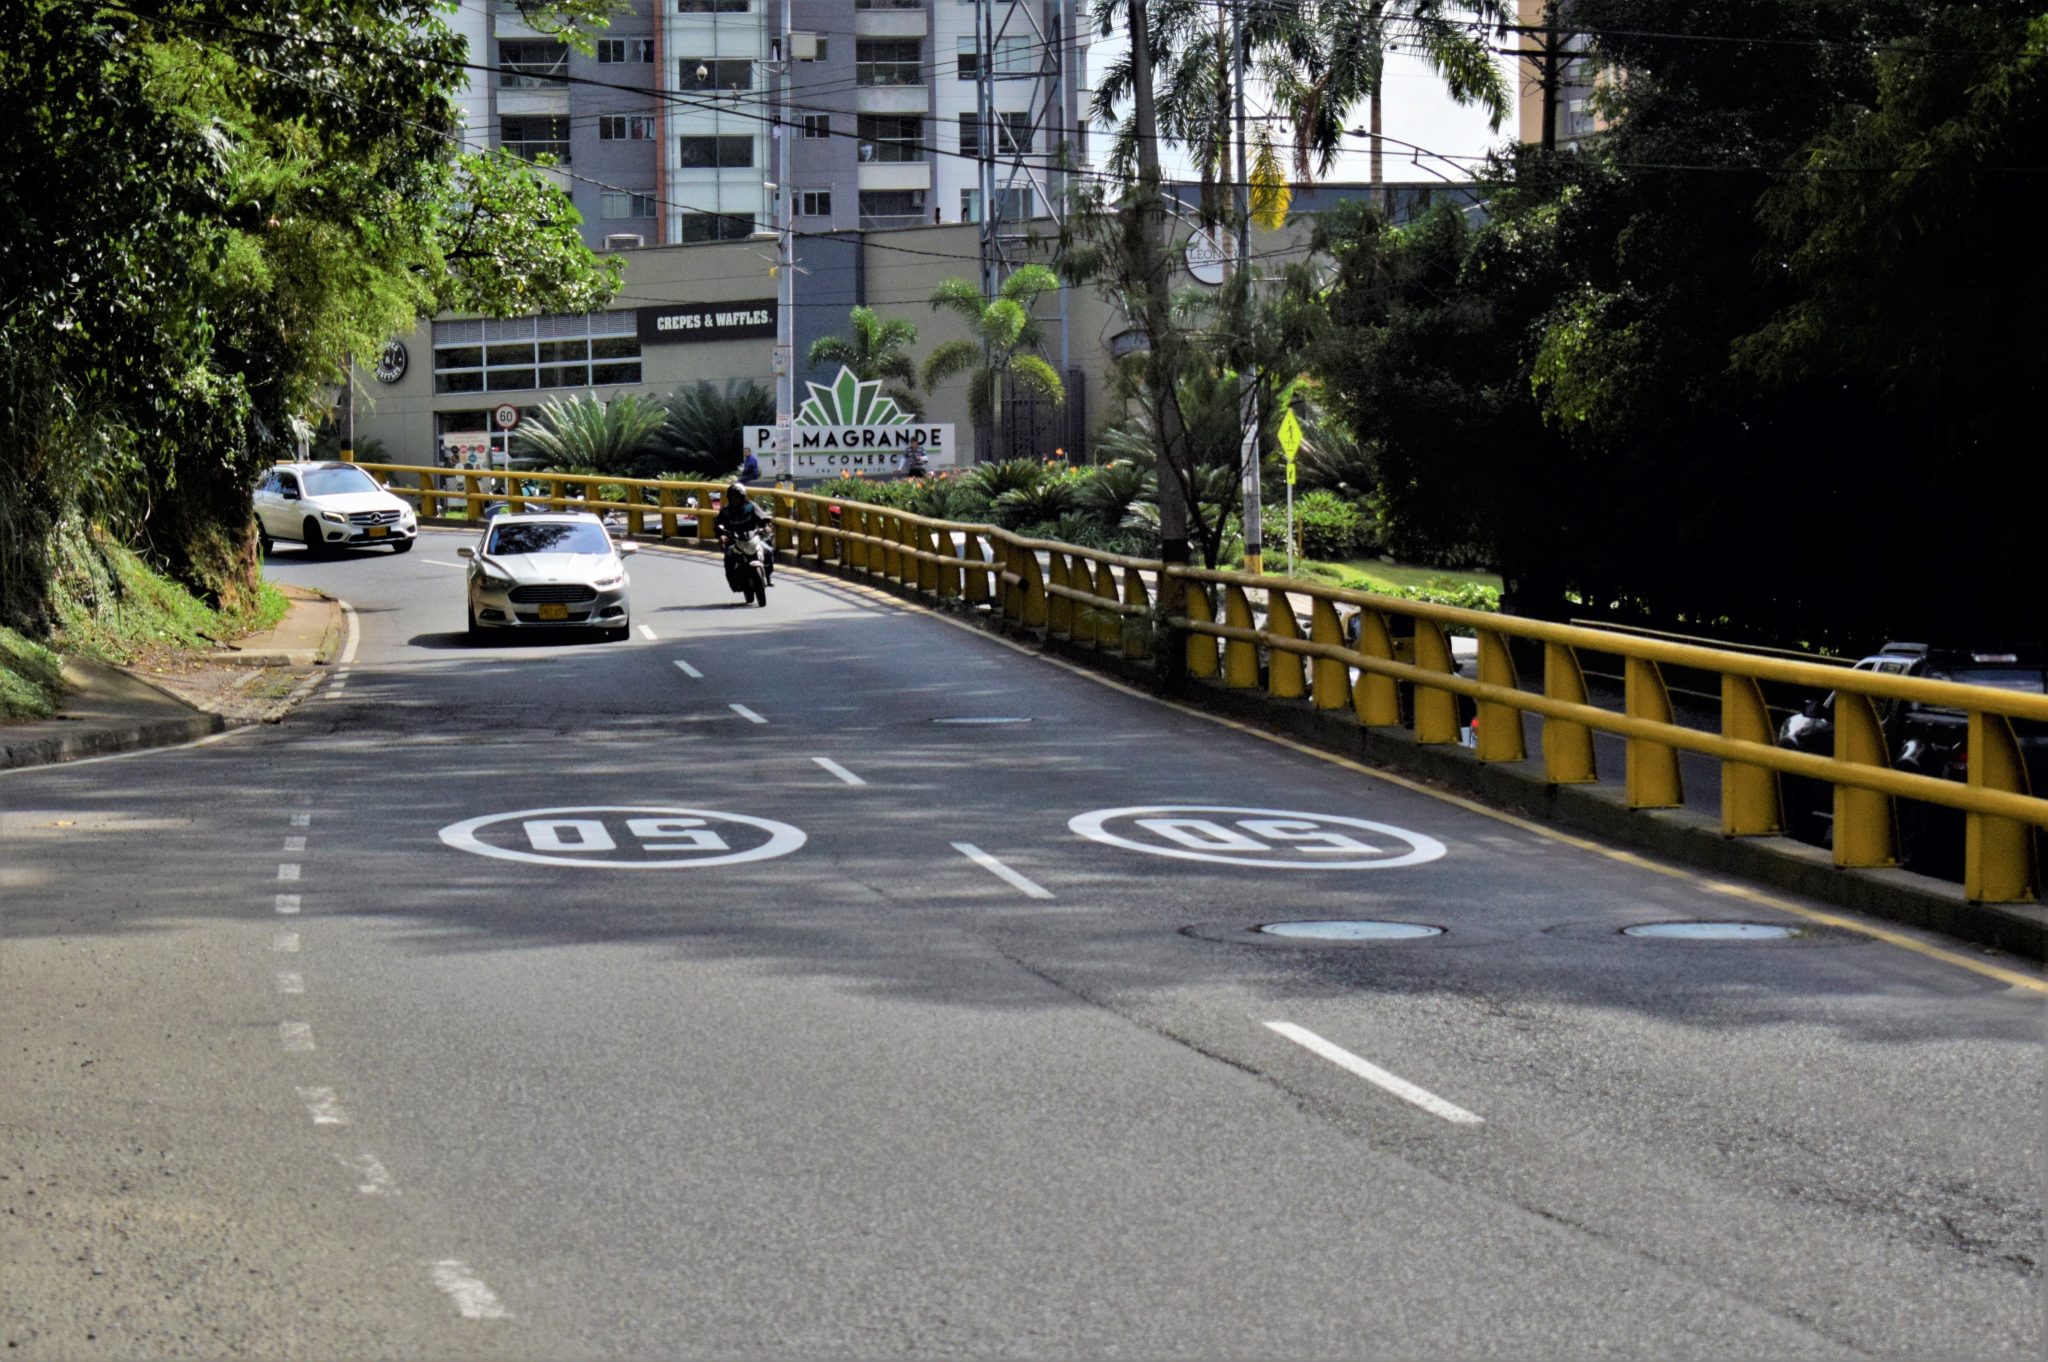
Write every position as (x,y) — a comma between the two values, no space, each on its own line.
(850,401)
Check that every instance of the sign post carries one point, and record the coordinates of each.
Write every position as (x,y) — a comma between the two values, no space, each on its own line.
(1289,438)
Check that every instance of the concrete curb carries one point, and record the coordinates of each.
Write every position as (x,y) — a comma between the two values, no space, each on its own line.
(1681,836)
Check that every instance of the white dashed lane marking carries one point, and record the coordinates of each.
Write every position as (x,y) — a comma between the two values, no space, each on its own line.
(288,903)
(297,1036)
(748,714)
(294,844)
(288,942)
(290,980)
(836,769)
(302,820)
(288,871)
(472,1298)
(324,1106)
(375,1180)
(687,670)
(646,632)
(1001,871)
(1372,1073)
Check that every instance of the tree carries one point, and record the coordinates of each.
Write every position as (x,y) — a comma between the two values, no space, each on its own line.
(704,429)
(611,437)
(875,350)
(1005,331)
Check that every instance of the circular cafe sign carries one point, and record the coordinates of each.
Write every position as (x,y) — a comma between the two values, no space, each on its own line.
(391,365)
(1207,253)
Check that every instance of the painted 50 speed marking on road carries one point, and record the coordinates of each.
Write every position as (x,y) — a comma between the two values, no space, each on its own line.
(1270,839)
(624,837)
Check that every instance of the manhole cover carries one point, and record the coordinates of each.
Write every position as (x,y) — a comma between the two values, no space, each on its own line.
(1351,930)
(979,721)
(1713,931)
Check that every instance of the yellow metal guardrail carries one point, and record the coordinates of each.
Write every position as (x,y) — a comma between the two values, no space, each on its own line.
(1111,602)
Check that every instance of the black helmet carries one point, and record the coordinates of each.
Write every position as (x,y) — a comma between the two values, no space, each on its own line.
(737,492)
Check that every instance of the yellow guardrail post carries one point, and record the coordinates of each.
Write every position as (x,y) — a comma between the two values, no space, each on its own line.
(1240,657)
(1286,676)
(1866,830)
(1137,639)
(1651,772)
(1436,711)
(1330,680)
(974,570)
(1059,610)
(665,499)
(1375,699)
(1109,624)
(1500,726)
(430,497)
(1998,853)
(853,519)
(707,519)
(785,532)
(950,583)
(1567,746)
(1010,559)
(472,495)
(1202,658)
(1034,588)
(1750,805)
(927,561)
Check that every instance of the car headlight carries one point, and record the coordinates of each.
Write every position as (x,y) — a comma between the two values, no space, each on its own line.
(335,516)
(613,580)
(489,582)
(405,517)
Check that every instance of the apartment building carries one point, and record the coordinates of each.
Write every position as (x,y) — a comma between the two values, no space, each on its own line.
(1550,44)
(902,112)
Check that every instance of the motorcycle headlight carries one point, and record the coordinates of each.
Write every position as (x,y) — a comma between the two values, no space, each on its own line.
(335,516)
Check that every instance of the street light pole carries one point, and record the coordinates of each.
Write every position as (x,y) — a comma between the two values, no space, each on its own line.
(785,270)
(1248,376)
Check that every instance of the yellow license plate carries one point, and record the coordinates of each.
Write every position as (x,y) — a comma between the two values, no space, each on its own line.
(378,531)
(554,612)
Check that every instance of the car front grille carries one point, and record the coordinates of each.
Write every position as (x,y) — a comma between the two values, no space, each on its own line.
(373,518)
(553,595)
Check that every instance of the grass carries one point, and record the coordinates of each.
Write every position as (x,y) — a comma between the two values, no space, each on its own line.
(118,607)
(31,678)
(1378,576)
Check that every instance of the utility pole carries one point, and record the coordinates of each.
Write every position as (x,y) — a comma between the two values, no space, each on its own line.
(1248,374)
(1550,73)
(1163,364)
(785,251)
(348,408)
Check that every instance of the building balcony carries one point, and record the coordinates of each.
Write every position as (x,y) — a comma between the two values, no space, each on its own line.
(515,103)
(896,99)
(890,19)
(896,175)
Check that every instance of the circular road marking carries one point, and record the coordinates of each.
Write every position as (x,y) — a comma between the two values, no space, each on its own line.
(624,837)
(1271,839)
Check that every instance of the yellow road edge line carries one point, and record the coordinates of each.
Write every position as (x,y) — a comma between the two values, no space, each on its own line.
(2028,982)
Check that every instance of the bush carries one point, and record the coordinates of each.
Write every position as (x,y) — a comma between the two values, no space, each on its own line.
(1328,527)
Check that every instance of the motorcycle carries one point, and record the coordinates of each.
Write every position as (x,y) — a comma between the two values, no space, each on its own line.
(749,565)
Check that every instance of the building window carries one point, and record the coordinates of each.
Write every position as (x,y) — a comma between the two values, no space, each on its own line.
(890,140)
(891,207)
(1013,58)
(714,73)
(888,61)
(888,4)
(530,64)
(716,153)
(523,353)
(625,127)
(615,51)
(529,136)
(704,225)
(814,203)
(1013,133)
(970,205)
(714,6)
(1016,205)
(970,140)
(817,125)
(621,204)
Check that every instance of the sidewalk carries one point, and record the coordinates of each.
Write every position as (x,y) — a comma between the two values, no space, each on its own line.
(112,709)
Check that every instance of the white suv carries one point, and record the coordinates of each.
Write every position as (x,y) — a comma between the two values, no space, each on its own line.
(330,504)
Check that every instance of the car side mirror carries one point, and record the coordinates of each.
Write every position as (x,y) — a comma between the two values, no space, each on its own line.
(290,495)
(465,552)
(628,547)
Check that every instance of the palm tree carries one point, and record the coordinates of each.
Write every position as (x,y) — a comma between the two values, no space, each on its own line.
(703,429)
(1005,333)
(582,432)
(875,351)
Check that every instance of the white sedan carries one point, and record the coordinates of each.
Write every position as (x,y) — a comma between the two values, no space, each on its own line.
(554,571)
(327,505)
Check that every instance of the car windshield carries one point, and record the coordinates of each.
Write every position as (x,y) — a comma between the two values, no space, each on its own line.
(334,482)
(548,537)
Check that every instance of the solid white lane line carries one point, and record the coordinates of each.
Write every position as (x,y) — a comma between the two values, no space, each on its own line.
(297,1036)
(294,844)
(1372,1073)
(376,1179)
(836,769)
(288,871)
(646,632)
(472,1298)
(302,820)
(324,1106)
(748,714)
(290,981)
(688,670)
(1001,871)
(288,942)
(355,632)
(287,903)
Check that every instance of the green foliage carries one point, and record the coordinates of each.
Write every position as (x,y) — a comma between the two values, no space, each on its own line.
(703,431)
(875,350)
(614,437)
(1327,526)
(1005,331)
(31,678)
(112,605)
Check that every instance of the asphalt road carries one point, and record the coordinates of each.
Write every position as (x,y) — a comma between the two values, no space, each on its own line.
(950,1078)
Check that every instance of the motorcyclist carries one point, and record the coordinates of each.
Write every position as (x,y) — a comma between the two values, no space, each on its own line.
(739,517)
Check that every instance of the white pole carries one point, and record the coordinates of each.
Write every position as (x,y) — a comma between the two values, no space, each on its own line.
(785,272)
